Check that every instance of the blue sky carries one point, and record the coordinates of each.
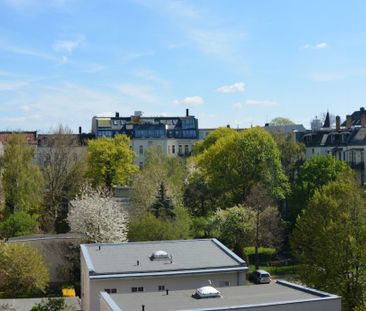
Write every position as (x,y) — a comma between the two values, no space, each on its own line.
(234,62)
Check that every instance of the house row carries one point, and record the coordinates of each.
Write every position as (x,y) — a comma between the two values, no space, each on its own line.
(199,274)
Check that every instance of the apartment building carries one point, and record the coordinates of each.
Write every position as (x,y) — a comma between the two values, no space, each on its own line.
(346,142)
(278,296)
(156,267)
(175,136)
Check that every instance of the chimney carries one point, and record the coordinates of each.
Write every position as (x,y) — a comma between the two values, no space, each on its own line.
(117,114)
(348,121)
(80,130)
(362,117)
(338,123)
(187,112)
(266,125)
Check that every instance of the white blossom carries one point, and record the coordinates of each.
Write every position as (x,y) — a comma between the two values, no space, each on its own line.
(95,214)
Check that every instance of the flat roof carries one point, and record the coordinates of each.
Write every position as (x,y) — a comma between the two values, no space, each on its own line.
(248,296)
(132,259)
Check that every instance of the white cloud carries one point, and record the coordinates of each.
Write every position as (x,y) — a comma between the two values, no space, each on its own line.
(326,77)
(139,92)
(28,52)
(254,102)
(68,46)
(11,86)
(322,45)
(238,105)
(317,46)
(236,87)
(189,101)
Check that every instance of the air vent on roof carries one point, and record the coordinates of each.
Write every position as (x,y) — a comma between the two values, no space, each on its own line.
(160,255)
(206,292)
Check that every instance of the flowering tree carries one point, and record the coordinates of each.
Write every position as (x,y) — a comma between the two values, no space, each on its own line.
(95,214)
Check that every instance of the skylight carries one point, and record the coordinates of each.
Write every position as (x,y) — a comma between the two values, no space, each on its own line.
(206,292)
(160,255)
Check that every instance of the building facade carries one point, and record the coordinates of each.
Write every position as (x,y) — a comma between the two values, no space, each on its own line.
(175,136)
(346,142)
(156,267)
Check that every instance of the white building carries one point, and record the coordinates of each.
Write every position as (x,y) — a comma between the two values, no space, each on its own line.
(278,296)
(156,266)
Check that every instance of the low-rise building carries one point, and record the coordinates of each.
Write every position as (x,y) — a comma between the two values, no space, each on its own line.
(156,266)
(278,296)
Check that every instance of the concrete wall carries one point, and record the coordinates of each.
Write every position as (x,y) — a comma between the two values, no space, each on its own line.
(151,284)
(85,284)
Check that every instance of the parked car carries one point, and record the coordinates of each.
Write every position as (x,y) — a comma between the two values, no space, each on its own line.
(260,277)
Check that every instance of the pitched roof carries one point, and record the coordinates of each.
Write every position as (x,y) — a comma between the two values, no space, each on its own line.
(133,259)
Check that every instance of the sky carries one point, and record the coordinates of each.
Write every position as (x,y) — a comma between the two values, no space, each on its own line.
(236,62)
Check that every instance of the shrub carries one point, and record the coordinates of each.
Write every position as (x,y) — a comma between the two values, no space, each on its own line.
(265,254)
(19,223)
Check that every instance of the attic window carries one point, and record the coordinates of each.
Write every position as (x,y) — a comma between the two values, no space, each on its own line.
(206,292)
(160,255)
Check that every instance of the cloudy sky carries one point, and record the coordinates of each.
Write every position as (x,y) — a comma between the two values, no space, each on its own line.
(237,62)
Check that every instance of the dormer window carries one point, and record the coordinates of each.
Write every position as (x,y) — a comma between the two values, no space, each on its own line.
(206,292)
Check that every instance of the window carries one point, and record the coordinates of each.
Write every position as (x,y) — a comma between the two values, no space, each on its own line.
(115,122)
(168,149)
(141,149)
(137,289)
(161,288)
(141,165)
(180,151)
(173,149)
(110,290)
(186,149)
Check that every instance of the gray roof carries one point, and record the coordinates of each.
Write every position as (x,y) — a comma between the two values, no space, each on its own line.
(25,304)
(277,293)
(188,256)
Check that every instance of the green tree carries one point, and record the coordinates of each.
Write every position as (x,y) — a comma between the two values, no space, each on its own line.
(235,227)
(211,139)
(329,240)
(63,166)
(268,224)
(313,174)
(110,161)
(22,270)
(51,304)
(17,224)
(148,227)
(281,121)
(158,168)
(163,206)
(22,178)
(235,163)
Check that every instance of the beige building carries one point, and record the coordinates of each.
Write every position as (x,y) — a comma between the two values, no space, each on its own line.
(278,296)
(156,267)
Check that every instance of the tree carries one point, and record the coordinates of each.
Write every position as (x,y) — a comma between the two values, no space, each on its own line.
(148,227)
(17,224)
(163,206)
(95,214)
(211,139)
(329,240)
(281,121)
(313,174)
(22,179)
(62,161)
(158,168)
(110,161)
(51,304)
(235,163)
(268,224)
(22,270)
(235,227)
(292,153)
